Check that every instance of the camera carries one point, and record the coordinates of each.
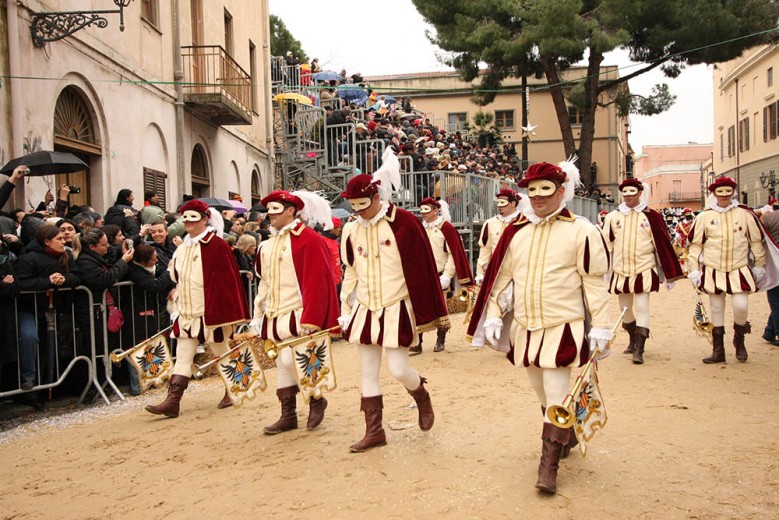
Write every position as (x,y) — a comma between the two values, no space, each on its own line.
(74,189)
(128,244)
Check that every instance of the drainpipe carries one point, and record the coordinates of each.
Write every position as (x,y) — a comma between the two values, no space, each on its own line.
(17,105)
(266,54)
(738,148)
(178,78)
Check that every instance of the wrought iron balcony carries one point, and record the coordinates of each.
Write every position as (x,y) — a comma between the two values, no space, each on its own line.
(679,196)
(215,86)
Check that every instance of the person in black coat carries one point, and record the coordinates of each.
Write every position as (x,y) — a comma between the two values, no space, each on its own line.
(46,265)
(163,243)
(9,290)
(122,214)
(150,294)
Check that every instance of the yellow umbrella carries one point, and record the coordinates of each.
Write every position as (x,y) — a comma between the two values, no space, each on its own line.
(292,96)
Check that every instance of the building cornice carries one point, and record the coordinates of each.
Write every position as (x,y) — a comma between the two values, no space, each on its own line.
(746,64)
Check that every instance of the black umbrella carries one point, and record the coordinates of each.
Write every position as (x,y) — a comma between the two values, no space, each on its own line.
(215,203)
(46,163)
(259,208)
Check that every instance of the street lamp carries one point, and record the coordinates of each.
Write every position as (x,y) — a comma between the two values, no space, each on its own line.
(50,27)
(768,181)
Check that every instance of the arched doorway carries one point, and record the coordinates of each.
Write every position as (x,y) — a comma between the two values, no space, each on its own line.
(75,131)
(256,186)
(201,183)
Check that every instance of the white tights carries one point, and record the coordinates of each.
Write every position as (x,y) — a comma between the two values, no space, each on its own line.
(638,308)
(740,303)
(285,369)
(551,385)
(397,362)
(186,349)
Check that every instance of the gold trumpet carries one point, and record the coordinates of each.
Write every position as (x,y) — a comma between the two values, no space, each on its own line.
(564,415)
(272,348)
(459,301)
(199,370)
(117,358)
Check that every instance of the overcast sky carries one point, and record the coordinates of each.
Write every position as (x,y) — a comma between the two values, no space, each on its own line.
(389,38)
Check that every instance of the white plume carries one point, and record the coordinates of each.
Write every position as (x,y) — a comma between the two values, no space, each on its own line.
(444,211)
(572,176)
(388,174)
(216,221)
(316,209)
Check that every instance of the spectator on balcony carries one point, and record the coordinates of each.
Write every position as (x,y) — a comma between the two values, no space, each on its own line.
(46,265)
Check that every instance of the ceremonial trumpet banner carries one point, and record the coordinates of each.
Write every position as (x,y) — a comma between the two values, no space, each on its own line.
(583,408)
(151,359)
(240,371)
(313,360)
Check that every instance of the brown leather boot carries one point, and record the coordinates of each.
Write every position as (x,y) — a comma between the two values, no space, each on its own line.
(553,439)
(631,330)
(374,433)
(289,417)
(225,402)
(440,341)
(416,349)
(642,333)
(718,346)
(738,340)
(571,444)
(424,405)
(170,406)
(316,412)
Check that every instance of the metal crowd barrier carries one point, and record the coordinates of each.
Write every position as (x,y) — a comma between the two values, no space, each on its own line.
(62,341)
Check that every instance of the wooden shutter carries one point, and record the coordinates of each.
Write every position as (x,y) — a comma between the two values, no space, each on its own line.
(154,180)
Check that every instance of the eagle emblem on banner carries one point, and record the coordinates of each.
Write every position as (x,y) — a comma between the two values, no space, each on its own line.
(242,374)
(314,367)
(590,412)
(153,362)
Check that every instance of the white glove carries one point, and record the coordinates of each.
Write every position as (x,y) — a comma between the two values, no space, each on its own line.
(759,273)
(479,279)
(492,329)
(599,342)
(256,325)
(670,285)
(344,320)
(445,281)
(607,278)
(695,278)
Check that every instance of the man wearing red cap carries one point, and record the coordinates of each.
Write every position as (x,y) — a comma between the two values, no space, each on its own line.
(508,211)
(210,300)
(390,294)
(296,295)
(727,234)
(642,257)
(454,270)
(551,265)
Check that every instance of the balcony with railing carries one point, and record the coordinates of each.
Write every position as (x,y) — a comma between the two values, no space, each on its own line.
(215,86)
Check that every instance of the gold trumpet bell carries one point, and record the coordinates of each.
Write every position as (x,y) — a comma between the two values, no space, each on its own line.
(562,416)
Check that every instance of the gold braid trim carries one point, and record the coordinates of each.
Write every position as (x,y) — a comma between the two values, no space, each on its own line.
(439,323)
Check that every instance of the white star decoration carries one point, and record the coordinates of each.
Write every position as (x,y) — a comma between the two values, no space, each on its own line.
(529,130)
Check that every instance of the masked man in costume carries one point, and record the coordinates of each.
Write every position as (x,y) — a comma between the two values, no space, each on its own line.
(390,293)
(639,244)
(552,263)
(454,270)
(726,234)
(508,211)
(209,302)
(296,294)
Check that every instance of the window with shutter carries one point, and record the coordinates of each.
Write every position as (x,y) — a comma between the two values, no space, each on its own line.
(155,181)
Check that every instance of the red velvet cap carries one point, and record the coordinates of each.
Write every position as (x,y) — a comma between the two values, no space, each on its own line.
(336,222)
(511,195)
(283,196)
(603,212)
(686,211)
(195,205)
(430,201)
(542,172)
(361,186)
(635,183)
(722,181)
(772,201)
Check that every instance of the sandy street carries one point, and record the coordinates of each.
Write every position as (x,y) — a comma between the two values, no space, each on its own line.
(684,440)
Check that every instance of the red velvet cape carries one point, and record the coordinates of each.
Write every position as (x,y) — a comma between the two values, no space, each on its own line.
(669,262)
(225,298)
(455,244)
(419,270)
(491,273)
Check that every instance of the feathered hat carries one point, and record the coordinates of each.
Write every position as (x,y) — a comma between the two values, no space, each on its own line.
(565,173)
(316,209)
